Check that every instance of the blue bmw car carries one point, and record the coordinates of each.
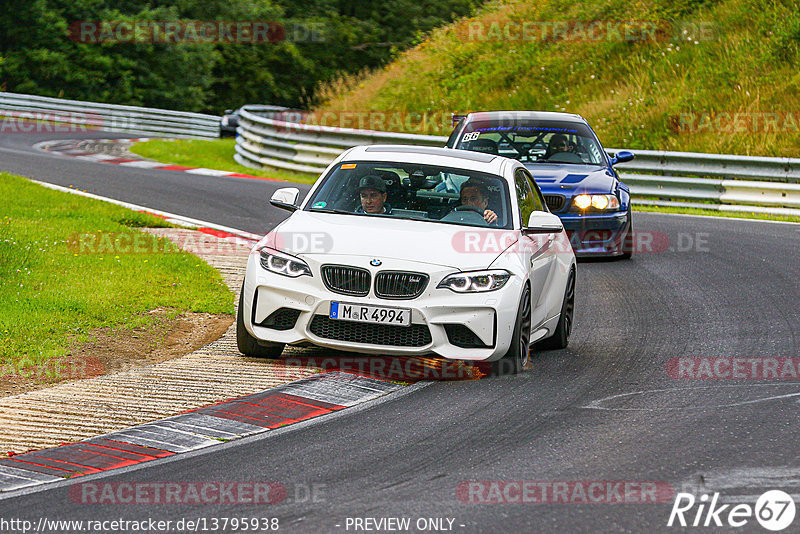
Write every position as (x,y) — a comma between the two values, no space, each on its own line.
(576,175)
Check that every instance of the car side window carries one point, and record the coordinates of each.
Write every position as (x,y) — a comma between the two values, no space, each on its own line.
(451,141)
(525,197)
(537,193)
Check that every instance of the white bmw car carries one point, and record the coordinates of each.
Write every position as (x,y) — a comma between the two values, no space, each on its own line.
(410,251)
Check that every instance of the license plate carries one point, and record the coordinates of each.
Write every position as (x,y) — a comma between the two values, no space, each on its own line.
(370,314)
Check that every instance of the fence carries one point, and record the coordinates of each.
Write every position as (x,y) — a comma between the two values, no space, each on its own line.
(30,109)
(709,181)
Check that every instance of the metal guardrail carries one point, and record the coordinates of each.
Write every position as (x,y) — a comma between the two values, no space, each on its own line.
(688,179)
(109,117)
(731,183)
(263,141)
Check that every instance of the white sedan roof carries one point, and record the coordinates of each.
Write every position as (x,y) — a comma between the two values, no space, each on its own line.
(443,157)
(525,115)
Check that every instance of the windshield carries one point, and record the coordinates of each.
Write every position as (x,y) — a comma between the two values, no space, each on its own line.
(534,141)
(414,191)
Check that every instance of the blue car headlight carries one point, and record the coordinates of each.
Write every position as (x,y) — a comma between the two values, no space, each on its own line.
(284,264)
(598,202)
(475,281)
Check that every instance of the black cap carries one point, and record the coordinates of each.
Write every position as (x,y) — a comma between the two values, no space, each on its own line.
(371,181)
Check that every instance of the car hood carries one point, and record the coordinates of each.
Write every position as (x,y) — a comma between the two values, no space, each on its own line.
(573,178)
(312,234)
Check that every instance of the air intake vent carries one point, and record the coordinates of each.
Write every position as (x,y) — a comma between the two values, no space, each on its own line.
(282,319)
(416,335)
(461,336)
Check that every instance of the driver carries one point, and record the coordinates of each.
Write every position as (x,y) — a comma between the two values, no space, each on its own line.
(372,191)
(558,143)
(475,193)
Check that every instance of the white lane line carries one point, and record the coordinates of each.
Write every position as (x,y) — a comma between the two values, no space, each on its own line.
(33,476)
(717,217)
(142,164)
(207,172)
(103,157)
(186,221)
(598,404)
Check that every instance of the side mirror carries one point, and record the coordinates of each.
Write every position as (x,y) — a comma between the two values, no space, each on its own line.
(542,222)
(622,157)
(285,198)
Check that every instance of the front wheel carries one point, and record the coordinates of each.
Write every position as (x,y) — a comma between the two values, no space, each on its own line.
(517,356)
(560,339)
(247,344)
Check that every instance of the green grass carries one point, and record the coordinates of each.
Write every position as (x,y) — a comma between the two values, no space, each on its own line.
(53,293)
(211,154)
(710,56)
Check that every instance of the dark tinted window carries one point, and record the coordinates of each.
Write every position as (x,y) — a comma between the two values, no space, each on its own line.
(533,141)
(528,202)
(411,191)
(537,193)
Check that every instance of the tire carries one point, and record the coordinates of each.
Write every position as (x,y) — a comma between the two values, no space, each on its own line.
(515,359)
(247,344)
(560,339)
(627,241)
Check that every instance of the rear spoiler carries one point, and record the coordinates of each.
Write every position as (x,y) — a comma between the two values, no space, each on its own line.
(457,118)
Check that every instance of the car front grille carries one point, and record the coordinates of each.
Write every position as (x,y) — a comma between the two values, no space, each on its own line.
(555,202)
(416,335)
(400,285)
(281,319)
(346,280)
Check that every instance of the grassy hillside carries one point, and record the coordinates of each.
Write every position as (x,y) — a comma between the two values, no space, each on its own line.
(715,76)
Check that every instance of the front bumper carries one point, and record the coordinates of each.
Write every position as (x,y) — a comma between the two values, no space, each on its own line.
(296,311)
(597,234)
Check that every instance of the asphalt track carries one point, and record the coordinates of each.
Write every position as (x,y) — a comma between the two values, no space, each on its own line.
(712,288)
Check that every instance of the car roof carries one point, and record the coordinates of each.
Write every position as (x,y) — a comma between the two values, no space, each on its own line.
(444,157)
(525,115)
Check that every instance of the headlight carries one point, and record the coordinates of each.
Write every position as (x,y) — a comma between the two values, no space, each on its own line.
(599,202)
(280,263)
(475,281)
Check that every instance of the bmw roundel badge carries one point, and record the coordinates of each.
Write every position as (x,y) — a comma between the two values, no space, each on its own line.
(376,263)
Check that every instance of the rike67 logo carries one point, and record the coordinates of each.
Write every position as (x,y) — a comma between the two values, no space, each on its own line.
(774,510)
